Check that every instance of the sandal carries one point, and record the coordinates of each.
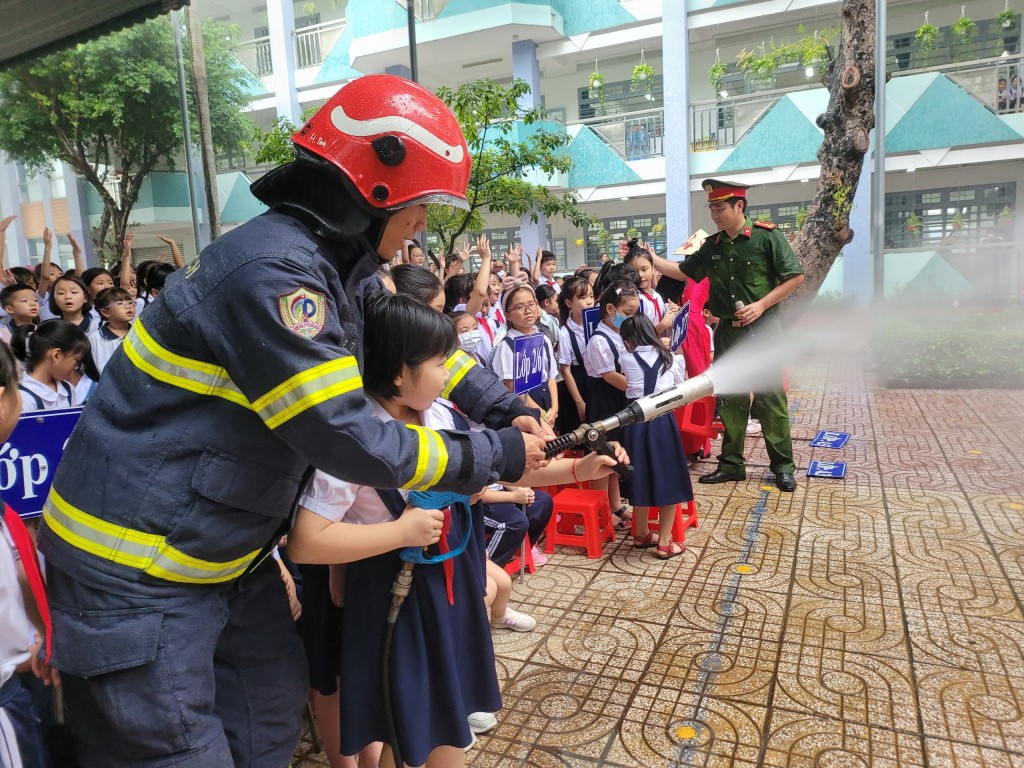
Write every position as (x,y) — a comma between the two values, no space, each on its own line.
(672,550)
(645,542)
(625,521)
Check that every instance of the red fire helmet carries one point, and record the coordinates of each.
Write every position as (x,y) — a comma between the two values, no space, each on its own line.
(397,142)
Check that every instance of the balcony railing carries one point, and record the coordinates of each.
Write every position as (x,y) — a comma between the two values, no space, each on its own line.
(723,123)
(633,135)
(310,45)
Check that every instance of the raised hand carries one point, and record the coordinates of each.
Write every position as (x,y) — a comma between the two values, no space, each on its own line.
(5,223)
(515,254)
(483,247)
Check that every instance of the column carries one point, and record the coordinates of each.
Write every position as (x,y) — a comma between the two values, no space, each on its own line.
(858,267)
(76,191)
(525,66)
(10,205)
(676,55)
(281,20)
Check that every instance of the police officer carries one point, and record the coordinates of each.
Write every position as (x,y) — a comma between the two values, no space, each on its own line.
(751,268)
(172,628)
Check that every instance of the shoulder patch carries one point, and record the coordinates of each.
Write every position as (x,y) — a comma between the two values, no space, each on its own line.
(764,224)
(303,311)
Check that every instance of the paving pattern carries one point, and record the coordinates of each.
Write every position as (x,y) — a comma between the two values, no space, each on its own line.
(872,621)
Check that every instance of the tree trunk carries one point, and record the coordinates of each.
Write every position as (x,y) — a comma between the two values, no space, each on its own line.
(199,84)
(850,79)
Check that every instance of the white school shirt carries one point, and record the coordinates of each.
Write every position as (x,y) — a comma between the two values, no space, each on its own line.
(503,363)
(634,374)
(566,356)
(16,631)
(598,358)
(338,500)
(52,401)
(652,305)
(104,344)
(552,282)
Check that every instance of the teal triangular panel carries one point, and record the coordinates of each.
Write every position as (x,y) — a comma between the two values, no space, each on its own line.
(239,205)
(595,164)
(900,95)
(784,136)
(945,115)
(335,66)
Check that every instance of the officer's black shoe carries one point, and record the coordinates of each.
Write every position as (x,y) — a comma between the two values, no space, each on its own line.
(785,481)
(720,476)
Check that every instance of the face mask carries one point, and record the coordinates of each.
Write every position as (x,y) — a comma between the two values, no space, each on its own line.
(619,319)
(469,341)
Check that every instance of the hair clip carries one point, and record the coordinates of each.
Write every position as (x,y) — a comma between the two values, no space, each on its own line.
(618,291)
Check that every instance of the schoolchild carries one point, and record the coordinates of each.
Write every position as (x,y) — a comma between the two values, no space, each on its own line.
(117,309)
(547,263)
(661,477)
(490,319)
(154,279)
(467,328)
(456,292)
(577,295)
(420,284)
(21,304)
(510,514)
(69,301)
(45,273)
(523,312)
(52,352)
(615,272)
(97,279)
(606,389)
(442,657)
(547,297)
(24,614)
(662,314)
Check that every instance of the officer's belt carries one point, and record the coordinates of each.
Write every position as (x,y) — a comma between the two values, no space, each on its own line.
(146,552)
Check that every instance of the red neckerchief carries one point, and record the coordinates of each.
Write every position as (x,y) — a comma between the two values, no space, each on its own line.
(443,547)
(657,309)
(27,550)
(499,317)
(487,327)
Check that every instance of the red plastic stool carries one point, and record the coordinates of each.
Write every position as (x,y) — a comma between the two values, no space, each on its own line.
(513,566)
(587,508)
(696,418)
(679,525)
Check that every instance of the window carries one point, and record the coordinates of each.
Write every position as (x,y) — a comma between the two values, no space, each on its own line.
(969,213)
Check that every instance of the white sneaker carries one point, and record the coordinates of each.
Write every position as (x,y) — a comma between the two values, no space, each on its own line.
(514,620)
(482,722)
(753,427)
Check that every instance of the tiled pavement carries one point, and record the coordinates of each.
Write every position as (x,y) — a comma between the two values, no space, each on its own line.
(875,621)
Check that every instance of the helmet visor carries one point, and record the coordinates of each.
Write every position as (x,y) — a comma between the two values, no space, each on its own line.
(437,198)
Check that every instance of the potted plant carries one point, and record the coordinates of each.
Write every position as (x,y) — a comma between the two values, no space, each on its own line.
(643,78)
(596,82)
(1006,18)
(632,233)
(758,68)
(914,226)
(962,29)
(602,237)
(958,221)
(658,230)
(801,216)
(926,37)
(308,8)
(715,74)
(765,217)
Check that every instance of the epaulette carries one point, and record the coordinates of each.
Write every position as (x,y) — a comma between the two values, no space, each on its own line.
(764,224)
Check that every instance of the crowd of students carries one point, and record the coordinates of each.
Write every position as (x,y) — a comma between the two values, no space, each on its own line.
(65,326)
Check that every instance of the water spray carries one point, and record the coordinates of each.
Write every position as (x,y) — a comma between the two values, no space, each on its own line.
(640,410)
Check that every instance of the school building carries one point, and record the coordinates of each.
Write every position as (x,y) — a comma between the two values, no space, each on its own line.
(654,99)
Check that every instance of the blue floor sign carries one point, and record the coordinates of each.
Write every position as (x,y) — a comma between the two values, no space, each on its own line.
(830,439)
(834,469)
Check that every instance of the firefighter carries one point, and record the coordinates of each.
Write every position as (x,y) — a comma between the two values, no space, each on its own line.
(171,624)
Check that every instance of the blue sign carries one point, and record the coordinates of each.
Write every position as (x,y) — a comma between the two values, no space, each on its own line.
(834,469)
(528,363)
(679,327)
(829,439)
(29,458)
(591,319)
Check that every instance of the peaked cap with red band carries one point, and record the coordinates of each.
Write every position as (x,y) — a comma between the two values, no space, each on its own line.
(723,190)
(397,142)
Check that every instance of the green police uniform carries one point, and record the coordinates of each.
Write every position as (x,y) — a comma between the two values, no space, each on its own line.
(747,268)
